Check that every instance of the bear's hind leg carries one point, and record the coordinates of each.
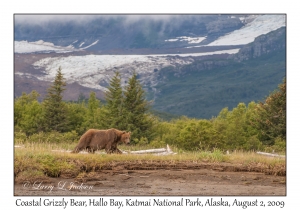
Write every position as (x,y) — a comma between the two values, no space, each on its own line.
(78,148)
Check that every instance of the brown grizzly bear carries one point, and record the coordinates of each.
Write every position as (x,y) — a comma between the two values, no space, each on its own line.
(93,140)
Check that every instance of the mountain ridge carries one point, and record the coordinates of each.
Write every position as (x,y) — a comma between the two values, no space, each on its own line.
(207,86)
(182,64)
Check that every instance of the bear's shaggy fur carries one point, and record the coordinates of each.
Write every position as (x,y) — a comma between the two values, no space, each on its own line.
(93,140)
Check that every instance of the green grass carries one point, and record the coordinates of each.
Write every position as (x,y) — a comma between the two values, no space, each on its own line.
(37,160)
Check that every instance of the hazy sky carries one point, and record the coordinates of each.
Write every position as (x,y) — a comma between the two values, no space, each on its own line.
(42,18)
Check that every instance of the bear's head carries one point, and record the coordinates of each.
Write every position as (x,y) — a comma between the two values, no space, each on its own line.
(125,138)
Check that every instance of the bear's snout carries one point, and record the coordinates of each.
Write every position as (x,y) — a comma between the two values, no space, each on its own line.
(126,138)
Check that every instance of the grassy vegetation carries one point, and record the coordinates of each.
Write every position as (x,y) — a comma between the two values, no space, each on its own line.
(38,161)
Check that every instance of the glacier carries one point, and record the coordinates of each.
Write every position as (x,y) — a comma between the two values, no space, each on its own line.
(93,70)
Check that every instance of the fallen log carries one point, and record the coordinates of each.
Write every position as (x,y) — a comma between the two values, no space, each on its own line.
(270,154)
(148,151)
(160,151)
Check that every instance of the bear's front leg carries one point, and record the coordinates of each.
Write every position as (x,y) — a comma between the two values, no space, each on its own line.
(112,149)
(109,149)
(117,151)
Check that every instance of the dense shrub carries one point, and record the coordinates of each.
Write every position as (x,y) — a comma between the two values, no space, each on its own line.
(46,137)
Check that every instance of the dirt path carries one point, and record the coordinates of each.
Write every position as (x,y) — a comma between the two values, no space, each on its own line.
(183,182)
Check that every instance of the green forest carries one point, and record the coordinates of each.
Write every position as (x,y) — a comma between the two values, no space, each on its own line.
(249,127)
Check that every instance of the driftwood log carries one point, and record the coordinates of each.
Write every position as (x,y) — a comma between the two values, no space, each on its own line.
(271,154)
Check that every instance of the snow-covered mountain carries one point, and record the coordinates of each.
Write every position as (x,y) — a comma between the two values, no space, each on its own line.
(94,71)
(90,59)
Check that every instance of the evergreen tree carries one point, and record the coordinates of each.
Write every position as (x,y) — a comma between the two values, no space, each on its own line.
(93,105)
(135,109)
(271,119)
(77,113)
(94,116)
(55,108)
(114,116)
(81,98)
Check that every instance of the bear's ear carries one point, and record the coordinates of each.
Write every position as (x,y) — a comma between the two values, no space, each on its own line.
(123,132)
(129,132)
